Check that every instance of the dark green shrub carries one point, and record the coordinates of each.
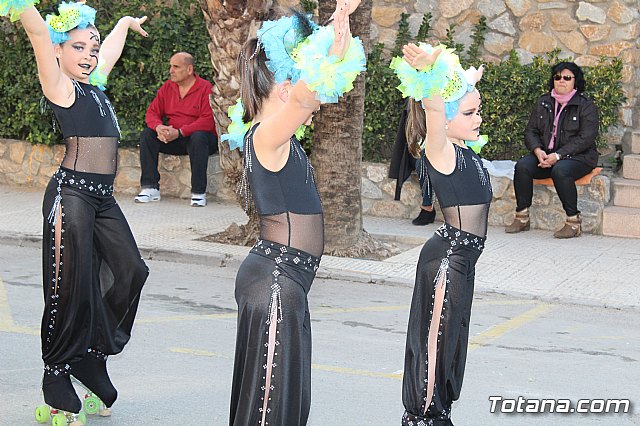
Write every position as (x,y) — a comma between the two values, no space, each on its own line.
(509,90)
(383,102)
(172,26)
(382,106)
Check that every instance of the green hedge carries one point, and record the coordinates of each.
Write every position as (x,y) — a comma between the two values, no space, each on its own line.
(172,26)
(509,90)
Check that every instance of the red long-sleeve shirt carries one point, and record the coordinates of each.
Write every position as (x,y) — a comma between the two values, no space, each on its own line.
(189,114)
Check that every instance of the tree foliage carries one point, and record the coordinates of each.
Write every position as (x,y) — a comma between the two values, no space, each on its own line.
(173,26)
(509,88)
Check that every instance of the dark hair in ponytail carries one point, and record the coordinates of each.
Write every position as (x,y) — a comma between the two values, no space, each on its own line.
(256,81)
(416,128)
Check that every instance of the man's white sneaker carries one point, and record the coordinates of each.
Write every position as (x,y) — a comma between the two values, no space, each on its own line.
(148,194)
(198,200)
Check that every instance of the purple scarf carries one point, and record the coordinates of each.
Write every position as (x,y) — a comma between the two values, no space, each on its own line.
(562,101)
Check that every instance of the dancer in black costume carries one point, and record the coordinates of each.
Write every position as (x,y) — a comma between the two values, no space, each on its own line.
(438,327)
(272,368)
(92,270)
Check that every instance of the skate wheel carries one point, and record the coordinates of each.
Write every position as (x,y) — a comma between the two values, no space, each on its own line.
(91,405)
(59,420)
(43,414)
(81,419)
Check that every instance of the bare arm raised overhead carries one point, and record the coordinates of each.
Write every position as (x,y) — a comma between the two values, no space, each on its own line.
(437,148)
(440,84)
(286,73)
(67,47)
(111,48)
(299,101)
(55,85)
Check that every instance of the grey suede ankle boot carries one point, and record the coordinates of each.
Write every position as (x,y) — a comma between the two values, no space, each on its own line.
(520,223)
(572,227)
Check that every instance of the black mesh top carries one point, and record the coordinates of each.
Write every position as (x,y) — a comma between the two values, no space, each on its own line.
(465,194)
(287,201)
(90,129)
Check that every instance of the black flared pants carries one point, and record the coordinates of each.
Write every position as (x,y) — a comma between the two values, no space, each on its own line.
(438,330)
(272,366)
(92,273)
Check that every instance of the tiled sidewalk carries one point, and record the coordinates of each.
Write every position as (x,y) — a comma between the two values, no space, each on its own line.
(594,270)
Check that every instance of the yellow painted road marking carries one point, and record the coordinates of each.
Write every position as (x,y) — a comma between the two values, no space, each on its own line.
(21,330)
(7,324)
(198,352)
(499,330)
(6,319)
(481,339)
(320,367)
(504,302)
(356,372)
(318,311)
(175,318)
(328,310)
(323,310)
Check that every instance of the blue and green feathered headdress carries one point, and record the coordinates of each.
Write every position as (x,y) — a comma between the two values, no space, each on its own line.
(70,15)
(279,39)
(14,8)
(445,76)
(297,48)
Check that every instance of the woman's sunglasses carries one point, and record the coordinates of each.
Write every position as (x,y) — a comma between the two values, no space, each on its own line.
(559,77)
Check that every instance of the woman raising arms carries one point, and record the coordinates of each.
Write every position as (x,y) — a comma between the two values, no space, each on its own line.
(445,114)
(286,73)
(92,270)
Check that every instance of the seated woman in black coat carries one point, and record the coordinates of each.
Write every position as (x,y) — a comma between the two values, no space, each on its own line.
(561,137)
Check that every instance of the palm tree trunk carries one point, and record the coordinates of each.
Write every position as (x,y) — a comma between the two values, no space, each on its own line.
(230,25)
(337,153)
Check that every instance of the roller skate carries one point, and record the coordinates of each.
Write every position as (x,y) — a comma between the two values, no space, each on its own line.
(44,413)
(62,404)
(91,404)
(91,373)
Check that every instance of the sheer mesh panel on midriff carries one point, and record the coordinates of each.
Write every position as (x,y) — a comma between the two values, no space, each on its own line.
(471,219)
(91,155)
(301,231)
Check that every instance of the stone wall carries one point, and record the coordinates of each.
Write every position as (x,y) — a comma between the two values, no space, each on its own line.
(546,212)
(581,29)
(378,193)
(22,163)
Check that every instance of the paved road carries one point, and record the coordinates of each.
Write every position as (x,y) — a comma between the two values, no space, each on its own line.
(177,368)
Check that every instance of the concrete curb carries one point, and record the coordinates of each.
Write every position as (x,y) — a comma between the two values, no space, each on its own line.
(215,258)
(351,270)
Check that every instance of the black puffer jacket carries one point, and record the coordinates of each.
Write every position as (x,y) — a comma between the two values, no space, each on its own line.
(577,128)
(402,162)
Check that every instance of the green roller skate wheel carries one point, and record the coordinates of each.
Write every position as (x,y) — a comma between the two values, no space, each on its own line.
(83,417)
(43,414)
(91,405)
(59,420)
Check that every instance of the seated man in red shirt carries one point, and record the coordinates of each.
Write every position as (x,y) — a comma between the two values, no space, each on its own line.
(182,103)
